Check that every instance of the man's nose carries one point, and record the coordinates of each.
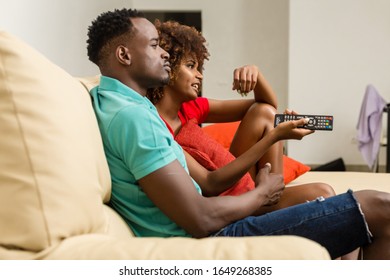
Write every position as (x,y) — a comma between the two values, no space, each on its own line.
(164,54)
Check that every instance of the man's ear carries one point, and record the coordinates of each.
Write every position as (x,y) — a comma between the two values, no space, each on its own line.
(123,55)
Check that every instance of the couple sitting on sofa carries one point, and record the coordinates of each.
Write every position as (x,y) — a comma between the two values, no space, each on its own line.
(151,187)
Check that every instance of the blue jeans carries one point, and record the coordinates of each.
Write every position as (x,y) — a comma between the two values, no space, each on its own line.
(336,223)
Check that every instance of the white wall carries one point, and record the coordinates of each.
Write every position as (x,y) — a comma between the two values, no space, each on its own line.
(318,55)
(56,28)
(337,47)
(238,33)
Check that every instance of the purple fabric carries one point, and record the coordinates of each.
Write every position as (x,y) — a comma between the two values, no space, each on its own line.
(370,125)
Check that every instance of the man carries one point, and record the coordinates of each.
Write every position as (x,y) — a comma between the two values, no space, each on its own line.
(152,189)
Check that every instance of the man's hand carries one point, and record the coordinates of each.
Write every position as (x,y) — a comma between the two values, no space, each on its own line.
(271,184)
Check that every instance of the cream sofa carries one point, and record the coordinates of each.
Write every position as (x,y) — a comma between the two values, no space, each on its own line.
(342,181)
(54,179)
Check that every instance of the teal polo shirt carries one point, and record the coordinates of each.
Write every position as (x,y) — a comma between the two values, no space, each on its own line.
(136,143)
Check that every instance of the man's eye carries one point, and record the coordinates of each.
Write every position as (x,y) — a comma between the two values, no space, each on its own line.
(154,46)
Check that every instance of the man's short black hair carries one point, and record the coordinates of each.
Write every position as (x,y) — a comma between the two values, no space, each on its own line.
(106,27)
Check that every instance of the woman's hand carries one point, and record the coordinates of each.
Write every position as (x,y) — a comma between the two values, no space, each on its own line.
(289,112)
(245,79)
(292,129)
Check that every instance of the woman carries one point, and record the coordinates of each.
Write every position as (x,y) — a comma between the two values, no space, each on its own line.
(256,141)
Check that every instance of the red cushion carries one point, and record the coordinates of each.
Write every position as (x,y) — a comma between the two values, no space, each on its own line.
(210,153)
(224,133)
(292,169)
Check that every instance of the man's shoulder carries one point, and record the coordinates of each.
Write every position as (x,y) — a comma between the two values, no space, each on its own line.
(134,111)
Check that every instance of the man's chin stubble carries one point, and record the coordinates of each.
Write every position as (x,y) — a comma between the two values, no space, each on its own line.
(165,81)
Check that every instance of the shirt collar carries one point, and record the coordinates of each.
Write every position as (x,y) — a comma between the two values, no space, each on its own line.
(110,84)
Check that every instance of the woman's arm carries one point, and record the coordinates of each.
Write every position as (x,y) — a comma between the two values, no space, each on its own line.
(221,179)
(245,79)
(248,78)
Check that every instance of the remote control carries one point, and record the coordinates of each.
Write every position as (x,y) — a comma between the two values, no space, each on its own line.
(315,122)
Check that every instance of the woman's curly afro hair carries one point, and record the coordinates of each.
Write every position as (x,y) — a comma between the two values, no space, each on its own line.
(179,41)
(107,27)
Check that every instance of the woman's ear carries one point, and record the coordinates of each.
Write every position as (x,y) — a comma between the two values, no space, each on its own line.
(123,55)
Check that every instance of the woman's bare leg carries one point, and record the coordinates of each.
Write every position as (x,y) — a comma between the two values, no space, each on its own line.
(299,194)
(256,123)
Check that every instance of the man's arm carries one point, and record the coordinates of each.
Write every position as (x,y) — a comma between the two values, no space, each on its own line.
(171,189)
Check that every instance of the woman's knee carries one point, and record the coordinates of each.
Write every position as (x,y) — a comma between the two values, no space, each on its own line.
(261,110)
(310,191)
(257,121)
(325,190)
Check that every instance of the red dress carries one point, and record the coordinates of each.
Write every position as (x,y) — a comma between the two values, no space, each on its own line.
(206,150)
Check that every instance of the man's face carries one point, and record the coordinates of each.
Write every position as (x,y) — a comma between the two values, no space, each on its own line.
(149,62)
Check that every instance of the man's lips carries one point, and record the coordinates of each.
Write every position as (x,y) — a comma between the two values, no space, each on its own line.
(167,67)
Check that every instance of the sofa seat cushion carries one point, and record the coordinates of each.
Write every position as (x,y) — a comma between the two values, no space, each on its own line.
(53,173)
(104,247)
(342,181)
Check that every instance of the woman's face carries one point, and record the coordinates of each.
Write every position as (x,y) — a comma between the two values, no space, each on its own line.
(188,82)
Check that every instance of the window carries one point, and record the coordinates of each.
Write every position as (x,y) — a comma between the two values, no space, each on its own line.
(193,18)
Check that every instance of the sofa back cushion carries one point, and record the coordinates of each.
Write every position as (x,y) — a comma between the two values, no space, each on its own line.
(53,173)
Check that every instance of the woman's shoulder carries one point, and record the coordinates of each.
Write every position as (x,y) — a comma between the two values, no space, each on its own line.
(197,108)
